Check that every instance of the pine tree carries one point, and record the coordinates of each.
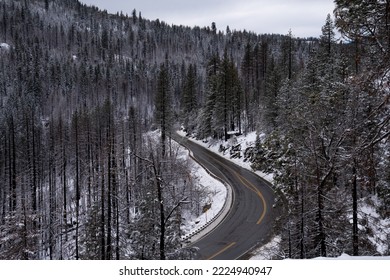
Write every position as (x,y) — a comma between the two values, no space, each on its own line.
(327,39)
(367,24)
(248,73)
(163,105)
(366,20)
(189,100)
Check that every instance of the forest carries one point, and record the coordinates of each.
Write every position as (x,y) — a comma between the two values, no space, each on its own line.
(82,90)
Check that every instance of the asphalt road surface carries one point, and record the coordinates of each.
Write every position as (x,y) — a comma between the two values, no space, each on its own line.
(250,220)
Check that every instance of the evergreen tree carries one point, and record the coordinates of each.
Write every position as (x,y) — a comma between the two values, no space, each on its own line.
(78,93)
(206,127)
(327,39)
(365,20)
(189,100)
(311,127)
(163,105)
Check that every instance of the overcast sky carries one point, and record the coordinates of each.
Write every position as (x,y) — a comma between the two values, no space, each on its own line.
(304,17)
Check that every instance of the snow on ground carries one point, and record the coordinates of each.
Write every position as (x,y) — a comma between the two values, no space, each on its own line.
(348,257)
(380,227)
(266,251)
(245,141)
(4,46)
(216,197)
(215,191)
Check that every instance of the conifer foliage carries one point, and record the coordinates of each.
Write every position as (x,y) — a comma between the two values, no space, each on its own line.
(330,144)
(83,175)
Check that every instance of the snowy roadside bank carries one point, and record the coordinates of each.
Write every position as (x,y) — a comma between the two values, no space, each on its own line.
(265,252)
(244,142)
(367,208)
(214,206)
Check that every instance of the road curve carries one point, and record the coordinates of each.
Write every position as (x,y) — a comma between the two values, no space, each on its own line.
(250,220)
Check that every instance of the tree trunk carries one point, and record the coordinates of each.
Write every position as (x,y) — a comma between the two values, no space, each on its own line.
(77,184)
(12,166)
(302,227)
(102,214)
(321,234)
(162,214)
(64,187)
(355,233)
(162,221)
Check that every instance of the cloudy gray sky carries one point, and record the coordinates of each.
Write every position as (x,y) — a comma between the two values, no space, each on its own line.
(304,17)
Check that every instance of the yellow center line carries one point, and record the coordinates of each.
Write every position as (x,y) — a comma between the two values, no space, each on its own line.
(259,194)
(250,186)
(253,188)
(221,251)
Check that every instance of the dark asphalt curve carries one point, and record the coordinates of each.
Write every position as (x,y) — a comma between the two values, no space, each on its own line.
(250,220)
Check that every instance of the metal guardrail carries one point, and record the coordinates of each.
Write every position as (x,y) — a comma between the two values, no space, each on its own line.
(218,218)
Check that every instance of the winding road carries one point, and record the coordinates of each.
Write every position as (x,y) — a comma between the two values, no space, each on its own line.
(250,220)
